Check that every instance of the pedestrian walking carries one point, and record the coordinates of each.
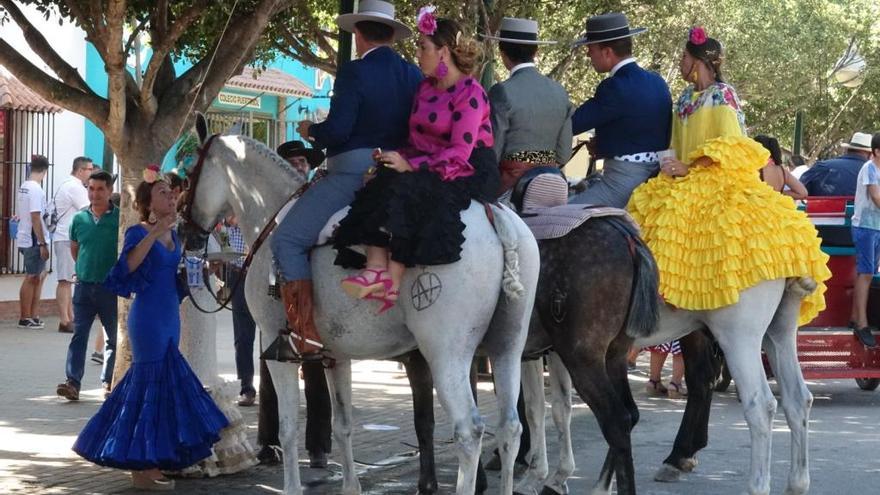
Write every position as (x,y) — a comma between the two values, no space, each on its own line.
(70,198)
(32,240)
(94,234)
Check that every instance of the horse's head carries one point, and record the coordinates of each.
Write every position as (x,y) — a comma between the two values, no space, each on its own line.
(206,195)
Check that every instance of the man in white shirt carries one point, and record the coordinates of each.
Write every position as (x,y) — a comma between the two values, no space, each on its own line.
(32,241)
(70,197)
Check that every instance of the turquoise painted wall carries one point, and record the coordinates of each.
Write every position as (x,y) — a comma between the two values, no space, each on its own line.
(96,77)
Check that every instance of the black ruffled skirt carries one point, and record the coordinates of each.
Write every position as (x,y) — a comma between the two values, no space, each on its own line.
(417,215)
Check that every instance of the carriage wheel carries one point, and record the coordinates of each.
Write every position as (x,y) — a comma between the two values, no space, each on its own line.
(868,384)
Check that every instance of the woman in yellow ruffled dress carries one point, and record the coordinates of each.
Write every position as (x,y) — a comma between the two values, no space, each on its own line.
(714,227)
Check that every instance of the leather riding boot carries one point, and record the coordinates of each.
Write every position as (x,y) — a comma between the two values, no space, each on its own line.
(297,299)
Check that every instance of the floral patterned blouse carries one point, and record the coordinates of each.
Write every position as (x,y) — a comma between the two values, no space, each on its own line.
(446,125)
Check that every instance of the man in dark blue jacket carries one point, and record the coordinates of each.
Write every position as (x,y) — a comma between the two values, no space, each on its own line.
(631,113)
(372,99)
(838,176)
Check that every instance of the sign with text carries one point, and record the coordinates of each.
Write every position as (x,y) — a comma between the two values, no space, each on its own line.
(239,100)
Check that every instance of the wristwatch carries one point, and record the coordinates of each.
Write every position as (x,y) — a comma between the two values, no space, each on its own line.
(42,244)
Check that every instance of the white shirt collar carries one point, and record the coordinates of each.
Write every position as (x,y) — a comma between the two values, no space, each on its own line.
(630,60)
(520,66)
(371,50)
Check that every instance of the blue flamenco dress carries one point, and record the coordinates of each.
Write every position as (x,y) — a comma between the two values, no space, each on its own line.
(159,415)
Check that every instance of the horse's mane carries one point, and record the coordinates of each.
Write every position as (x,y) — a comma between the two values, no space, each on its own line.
(261,149)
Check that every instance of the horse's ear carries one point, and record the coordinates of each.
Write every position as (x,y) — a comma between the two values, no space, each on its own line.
(201,127)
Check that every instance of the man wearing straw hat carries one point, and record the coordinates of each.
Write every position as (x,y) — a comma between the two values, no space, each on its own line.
(838,176)
(372,98)
(631,113)
(531,113)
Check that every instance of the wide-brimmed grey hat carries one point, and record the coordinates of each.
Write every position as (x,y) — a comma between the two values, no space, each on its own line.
(519,31)
(607,27)
(376,11)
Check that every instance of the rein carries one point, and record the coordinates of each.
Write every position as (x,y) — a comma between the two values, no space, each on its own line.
(193,180)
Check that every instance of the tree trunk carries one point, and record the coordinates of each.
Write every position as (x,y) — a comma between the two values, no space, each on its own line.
(132,163)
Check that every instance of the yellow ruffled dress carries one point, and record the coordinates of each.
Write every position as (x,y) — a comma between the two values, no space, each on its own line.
(720,229)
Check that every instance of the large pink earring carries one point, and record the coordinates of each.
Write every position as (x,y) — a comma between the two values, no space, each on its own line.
(441,70)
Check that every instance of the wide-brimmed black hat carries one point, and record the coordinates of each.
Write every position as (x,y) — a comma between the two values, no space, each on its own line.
(607,27)
(294,148)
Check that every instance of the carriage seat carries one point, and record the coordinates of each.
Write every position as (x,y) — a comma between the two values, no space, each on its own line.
(541,199)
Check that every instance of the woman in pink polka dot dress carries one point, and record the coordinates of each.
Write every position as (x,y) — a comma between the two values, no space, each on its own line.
(409,214)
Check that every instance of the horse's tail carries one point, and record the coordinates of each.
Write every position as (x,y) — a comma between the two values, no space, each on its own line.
(644,301)
(509,237)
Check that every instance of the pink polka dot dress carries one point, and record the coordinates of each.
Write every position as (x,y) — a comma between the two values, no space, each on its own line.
(417,214)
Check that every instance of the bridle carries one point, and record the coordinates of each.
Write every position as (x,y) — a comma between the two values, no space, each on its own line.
(190,185)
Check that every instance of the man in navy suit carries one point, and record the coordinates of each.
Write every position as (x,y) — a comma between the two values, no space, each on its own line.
(631,113)
(372,99)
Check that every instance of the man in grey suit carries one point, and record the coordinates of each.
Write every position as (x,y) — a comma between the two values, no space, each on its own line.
(531,122)
(531,113)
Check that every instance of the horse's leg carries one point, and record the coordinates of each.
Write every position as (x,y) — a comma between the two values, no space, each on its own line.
(482,483)
(586,366)
(450,372)
(739,332)
(423,416)
(506,367)
(339,382)
(285,377)
(533,395)
(560,397)
(781,346)
(700,370)
(618,373)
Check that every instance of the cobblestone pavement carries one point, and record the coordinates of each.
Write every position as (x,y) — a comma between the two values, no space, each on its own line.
(37,429)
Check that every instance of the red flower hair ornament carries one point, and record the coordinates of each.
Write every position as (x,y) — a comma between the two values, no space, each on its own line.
(151,173)
(697,35)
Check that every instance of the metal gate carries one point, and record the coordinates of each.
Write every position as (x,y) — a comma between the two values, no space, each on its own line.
(22,134)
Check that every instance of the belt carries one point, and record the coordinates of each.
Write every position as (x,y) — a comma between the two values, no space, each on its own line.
(645,157)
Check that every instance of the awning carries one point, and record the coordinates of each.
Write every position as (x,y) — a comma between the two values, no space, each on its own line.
(14,95)
(270,81)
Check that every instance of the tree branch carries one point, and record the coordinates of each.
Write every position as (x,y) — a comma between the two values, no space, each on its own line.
(198,86)
(88,105)
(134,34)
(162,48)
(44,50)
(300,50)
(114,60)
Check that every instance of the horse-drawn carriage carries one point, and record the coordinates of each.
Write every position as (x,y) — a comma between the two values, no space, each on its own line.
(827,348)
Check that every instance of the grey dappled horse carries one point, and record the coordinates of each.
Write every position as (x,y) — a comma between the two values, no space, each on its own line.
(765,314)
(444,311)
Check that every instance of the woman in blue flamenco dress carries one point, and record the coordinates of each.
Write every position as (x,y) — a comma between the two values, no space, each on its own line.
(159,416)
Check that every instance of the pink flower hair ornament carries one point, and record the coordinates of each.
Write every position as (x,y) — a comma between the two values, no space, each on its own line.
(697,35)
(151,173)
(425,20)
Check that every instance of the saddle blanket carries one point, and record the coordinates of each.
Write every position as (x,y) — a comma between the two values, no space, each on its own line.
(557,221)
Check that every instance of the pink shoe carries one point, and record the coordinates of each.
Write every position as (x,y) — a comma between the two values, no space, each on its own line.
(388,299)
(362,285)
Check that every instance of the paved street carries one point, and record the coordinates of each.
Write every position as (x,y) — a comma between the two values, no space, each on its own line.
(37,429)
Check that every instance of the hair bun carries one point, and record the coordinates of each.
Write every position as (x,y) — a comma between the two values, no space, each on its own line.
(466,53)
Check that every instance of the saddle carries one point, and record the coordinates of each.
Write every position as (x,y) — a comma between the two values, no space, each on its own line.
(541,199)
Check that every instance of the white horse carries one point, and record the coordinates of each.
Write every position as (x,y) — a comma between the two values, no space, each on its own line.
(444,311)
(766,313)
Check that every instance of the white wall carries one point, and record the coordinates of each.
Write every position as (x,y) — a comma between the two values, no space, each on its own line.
(69,41)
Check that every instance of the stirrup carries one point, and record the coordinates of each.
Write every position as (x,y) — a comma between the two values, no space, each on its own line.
(359,286)
(281,349)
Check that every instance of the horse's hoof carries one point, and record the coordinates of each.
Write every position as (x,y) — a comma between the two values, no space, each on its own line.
(667,474)
(688,465)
